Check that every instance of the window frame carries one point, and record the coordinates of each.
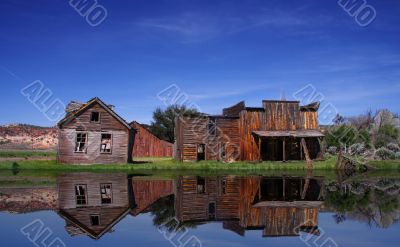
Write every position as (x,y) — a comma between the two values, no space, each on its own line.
(101,194)
(212,131)
(91,116)
(76,141)
(91,219)
(85,196)
(111,143)
(204,190)
(222,151)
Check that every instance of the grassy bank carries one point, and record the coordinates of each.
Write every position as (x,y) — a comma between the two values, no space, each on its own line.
(163,164)
(25,154)
(151,164)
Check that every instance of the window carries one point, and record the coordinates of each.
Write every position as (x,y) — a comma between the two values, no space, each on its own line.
(201,185)
(211,126)
(95,220)
(201,152)
(222,151)
(80,194)
(80,145)
(106,193)
(106,142)
(95,117)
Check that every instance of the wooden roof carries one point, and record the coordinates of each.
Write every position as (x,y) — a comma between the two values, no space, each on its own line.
(289,133)
(75,113)
(294,204)
(310,107)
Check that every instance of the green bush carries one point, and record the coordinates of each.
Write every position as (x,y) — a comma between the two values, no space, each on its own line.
(386,134)
(394,147)
(357,149)
(397,156)
(332,150)
(384,154)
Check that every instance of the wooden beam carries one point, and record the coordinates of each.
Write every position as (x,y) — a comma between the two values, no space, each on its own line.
(284,150)
(308,159)
(259,149)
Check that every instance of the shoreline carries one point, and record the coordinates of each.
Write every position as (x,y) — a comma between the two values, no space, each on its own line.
(148,164)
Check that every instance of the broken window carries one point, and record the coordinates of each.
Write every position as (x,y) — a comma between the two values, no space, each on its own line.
(95,117)
(95,220)
(106,141)
(80,145)
(201,185)
(211,126)
(222,151)
(80,194)
(106,193)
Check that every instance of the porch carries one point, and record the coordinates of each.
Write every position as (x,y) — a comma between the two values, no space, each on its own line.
(288,145)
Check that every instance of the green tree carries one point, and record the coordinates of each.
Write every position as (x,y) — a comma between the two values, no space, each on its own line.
(163,123)
(343,135)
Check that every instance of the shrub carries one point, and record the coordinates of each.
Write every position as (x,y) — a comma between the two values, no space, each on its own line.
(332,150)
(397,156)
(357,149)
(394,147)
(384,154)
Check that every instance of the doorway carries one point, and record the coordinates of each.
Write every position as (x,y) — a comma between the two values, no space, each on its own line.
(201,152)
(271,150)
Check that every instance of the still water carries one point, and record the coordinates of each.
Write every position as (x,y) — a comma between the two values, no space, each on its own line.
(118,209)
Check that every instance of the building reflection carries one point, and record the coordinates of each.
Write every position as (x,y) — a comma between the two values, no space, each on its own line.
(279,206)
(93,203)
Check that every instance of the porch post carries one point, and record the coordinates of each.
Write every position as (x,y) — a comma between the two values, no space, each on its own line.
(284,149)
(259,148)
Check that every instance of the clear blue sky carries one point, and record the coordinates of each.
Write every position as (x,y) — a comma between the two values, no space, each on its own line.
(218,52)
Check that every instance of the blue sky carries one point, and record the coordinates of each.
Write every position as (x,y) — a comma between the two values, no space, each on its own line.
(217,52)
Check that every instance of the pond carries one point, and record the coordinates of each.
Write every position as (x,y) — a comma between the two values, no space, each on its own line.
(119,209)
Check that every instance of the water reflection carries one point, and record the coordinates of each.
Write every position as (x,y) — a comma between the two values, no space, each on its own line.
(92,204)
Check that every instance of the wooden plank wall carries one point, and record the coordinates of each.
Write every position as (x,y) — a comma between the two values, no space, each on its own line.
(193,131)
(193,206)
(308,120)
(250,120)
(66,189)
(281,115)
(67,154)
(281,221)
(148,145)
(107,124)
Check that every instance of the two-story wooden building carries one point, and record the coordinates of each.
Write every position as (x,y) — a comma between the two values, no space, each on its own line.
(93,132)
(280,130)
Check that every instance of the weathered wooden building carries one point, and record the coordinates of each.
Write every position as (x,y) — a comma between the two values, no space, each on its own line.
(146,144)
(280,206)
(91,203)
(93,133)
(279,130)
